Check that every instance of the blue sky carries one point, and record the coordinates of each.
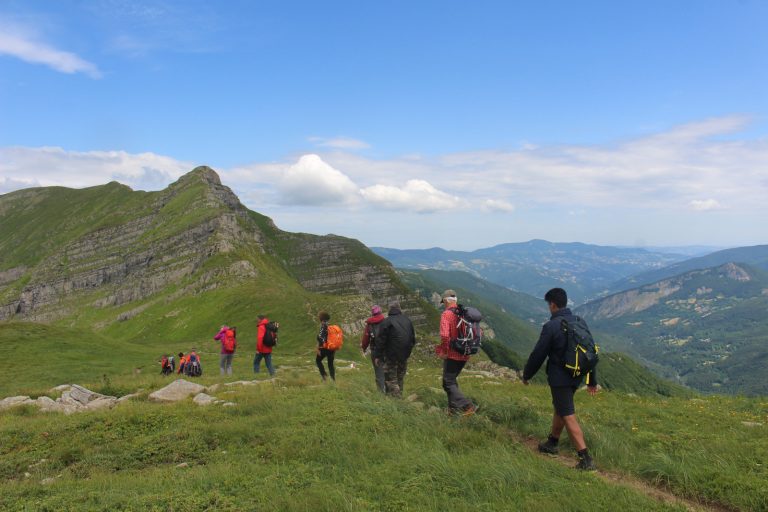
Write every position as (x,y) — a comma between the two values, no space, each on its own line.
(405,123)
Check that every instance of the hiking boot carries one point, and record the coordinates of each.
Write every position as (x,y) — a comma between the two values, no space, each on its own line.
(549,446)
(586,464)
(470,410)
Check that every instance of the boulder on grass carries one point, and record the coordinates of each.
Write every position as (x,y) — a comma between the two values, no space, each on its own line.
(175,391)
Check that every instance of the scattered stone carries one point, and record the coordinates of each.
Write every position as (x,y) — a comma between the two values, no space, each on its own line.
(214,388)
(751,424)
(102,403)
(242,383)
(48,405)
(61,389)
(175,391)
(13,401)
(27,475)
(203,399)
(48,481)
(413,397)
(83,395)
(228,404)
(182,465)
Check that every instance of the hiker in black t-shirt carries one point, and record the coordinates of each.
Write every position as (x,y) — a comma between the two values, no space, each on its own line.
(552,346)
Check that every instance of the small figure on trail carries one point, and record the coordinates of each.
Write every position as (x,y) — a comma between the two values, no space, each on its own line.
(368,344)
(165,365)
(193,367)
(553,345)
(393,348)
(182,362)
(228,338)
(329,340)
(266,339)
(173,363)
(453,361)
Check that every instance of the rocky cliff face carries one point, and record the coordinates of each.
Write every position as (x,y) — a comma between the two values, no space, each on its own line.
(192,237)
(645,297)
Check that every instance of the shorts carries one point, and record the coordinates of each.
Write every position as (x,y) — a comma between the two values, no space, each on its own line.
(562,399)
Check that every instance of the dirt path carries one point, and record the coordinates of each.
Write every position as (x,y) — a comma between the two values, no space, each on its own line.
(635,484)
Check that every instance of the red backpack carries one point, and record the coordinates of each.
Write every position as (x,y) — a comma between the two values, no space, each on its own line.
(229,341)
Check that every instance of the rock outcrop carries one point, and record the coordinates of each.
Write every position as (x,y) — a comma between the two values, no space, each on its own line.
(176,390)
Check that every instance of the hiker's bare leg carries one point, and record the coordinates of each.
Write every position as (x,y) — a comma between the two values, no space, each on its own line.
(574,432)
(557,425)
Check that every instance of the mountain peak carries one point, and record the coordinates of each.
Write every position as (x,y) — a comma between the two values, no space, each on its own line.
(201,173)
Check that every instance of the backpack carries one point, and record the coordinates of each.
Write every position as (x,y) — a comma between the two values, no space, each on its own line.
(580,349)
(270,335)
(373,331)
(335,338)
(193,368)
(164,363)
(229,341)
(470,334)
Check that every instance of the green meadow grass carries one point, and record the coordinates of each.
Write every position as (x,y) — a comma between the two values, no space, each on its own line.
(290,445)
(298,444)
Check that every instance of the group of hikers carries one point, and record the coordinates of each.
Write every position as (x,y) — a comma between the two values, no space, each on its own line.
(565,343)
(189,364)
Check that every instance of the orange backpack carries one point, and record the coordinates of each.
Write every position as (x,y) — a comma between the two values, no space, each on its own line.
(335,338)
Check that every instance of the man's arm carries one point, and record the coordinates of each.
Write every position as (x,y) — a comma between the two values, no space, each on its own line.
(538,355)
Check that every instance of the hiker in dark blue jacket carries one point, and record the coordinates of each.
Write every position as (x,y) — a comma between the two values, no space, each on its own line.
(552,346)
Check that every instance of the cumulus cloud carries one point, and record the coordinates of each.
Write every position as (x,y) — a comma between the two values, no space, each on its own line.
(18,43)
(417,195)
(498,205)
(311,181)
(23,167)
(339,143)
(704,205)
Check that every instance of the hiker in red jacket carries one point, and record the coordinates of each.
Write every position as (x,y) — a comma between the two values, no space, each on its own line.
(227,337)
(266,338)
(368,343)
(453,361)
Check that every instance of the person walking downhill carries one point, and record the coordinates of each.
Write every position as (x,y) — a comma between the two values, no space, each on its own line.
(264,344)
(393,348)
(369,341)
(453,361)
(322,352)
(552,346)
(228,338)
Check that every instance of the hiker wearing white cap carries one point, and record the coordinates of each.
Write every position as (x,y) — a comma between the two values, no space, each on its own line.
(453,361)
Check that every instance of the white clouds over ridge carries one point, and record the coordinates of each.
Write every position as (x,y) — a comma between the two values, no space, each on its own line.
(681,170)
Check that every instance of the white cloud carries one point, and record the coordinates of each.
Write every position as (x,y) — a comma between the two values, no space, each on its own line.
(339,143)
(18,43)
(417,195)
(704,205)
(498,205)
(311,181)
(23,167)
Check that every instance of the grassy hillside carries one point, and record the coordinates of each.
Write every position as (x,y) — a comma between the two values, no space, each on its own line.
(307,446)
(706,326)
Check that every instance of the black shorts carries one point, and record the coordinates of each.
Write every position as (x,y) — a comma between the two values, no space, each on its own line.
(562,399)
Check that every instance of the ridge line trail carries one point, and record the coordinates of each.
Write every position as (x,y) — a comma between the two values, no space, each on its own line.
(636,484)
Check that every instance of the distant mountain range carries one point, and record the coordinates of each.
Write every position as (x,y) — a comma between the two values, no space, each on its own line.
(585,271)
(755,255)
(707,326)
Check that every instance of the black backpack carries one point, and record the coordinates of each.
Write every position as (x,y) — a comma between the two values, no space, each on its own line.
(580,350)
(270,335)
(193,368)
(470,335)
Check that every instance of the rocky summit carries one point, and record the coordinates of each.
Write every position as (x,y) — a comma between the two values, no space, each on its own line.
(108,254)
